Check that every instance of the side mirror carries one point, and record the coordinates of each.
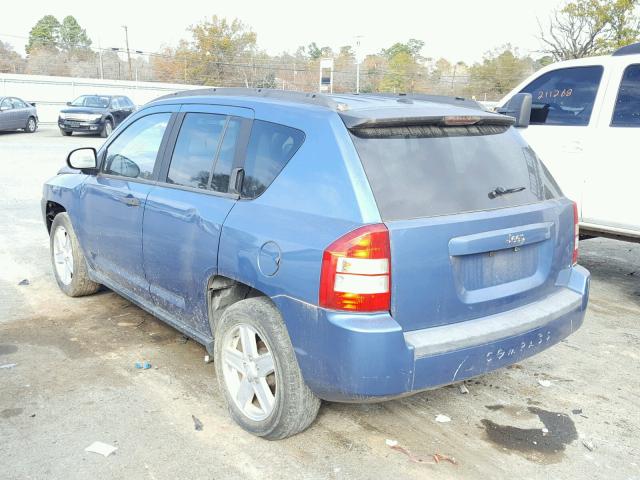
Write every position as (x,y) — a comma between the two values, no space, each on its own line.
(85,159)
(69,104)
(519,107)
(4,108)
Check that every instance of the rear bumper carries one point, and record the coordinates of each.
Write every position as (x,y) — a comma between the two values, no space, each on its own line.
(354,357)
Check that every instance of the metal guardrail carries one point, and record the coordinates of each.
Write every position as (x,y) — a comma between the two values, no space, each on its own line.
(51,93)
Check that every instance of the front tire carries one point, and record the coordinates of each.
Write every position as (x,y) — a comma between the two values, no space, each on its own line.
(258,372)
(69,265)
(107,129)
(65,133)
(32,125)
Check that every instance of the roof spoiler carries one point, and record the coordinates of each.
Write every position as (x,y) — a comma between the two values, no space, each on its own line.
(482,118)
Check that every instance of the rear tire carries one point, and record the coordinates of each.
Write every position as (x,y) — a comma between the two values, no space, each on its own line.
(107,129)
(293,406)
(69,265)
(65,133)
(32,125)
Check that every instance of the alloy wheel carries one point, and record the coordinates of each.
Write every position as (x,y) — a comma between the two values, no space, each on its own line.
(249,372)
(63,255)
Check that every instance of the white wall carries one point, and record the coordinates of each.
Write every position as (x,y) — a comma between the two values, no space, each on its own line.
(52,93)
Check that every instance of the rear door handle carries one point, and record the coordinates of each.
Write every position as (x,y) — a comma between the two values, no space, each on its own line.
(131,201)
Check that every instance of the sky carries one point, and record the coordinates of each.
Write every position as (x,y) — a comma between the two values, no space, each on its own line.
(456,30)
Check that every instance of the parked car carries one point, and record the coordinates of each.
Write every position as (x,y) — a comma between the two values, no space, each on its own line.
(345,248)
(16,114)
(98,114)
(585,125)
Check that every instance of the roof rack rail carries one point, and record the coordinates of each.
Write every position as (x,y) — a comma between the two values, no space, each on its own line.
(318,99)
(627,50)
(424,97)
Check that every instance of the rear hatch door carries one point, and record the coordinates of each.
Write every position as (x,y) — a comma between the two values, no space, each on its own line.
(477,225)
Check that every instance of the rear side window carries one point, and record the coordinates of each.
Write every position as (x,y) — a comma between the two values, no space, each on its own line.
(133,153)
(17,103)
(271,146)
(564,96)
(196,149)
(226,155)
(627,109)
(414,175)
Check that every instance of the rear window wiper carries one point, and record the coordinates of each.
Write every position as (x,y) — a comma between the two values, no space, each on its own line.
(498,191)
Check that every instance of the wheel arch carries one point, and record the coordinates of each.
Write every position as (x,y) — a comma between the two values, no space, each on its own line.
(51,210)
(29,118)
(222,292)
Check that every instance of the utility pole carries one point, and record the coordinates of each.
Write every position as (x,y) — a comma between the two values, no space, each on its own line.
(101,62)
(453,78)
(358,59)
(126,39)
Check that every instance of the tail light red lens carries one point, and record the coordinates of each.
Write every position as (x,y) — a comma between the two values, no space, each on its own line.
(576,233)
(356,271)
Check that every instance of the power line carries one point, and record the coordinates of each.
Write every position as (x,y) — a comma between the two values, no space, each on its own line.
(188,67)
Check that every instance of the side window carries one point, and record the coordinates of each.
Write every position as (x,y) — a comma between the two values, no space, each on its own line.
(271,146)
(226,154)
(6,104)
(17,103)
(196,149)
(564,96)
(115,103)
(133,153)
(627,108)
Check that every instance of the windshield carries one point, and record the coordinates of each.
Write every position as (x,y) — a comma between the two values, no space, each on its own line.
(423,172)
(91,101)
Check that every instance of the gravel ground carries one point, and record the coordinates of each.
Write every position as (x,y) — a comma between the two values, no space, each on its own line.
(74,382)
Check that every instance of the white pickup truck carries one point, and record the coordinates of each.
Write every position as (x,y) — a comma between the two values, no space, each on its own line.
(585,126)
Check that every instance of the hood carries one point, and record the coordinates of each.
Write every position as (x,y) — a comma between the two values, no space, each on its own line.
(84,110)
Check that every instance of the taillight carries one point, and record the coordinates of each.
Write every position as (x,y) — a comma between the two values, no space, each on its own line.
(460,120)
(576,234)
(356,274)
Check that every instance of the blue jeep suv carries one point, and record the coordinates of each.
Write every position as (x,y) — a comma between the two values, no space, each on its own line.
(347,248)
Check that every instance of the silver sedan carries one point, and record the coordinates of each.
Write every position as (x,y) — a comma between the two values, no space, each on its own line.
(17,114)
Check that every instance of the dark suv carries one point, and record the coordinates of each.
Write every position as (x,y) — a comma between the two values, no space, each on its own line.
(345,248)
(98,114)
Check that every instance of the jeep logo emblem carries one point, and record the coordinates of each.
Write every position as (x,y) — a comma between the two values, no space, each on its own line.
(514,240)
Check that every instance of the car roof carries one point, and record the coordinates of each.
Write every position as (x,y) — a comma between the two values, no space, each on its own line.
(356,110)
(98,95)
(619,56)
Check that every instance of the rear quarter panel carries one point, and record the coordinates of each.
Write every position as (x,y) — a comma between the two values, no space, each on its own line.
(319,195)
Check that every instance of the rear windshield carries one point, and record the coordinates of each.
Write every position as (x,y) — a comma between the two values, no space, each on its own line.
(428,171)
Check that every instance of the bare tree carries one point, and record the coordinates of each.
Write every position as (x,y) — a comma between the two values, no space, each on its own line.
(10,61)
(589,27)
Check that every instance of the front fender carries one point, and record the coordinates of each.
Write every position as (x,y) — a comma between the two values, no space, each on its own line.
(61,190)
